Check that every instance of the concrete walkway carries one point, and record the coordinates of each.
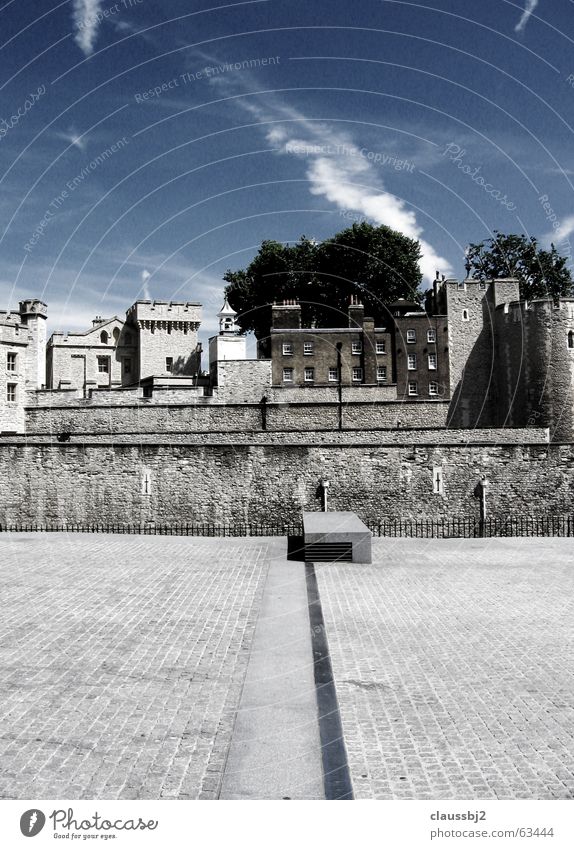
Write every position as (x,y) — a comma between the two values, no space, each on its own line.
(275,751)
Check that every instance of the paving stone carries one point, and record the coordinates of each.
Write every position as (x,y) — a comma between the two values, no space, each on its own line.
(453,666)
(122,662)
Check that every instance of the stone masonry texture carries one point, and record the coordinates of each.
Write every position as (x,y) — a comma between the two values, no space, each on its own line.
(122,661)
(223,484)
(454,670)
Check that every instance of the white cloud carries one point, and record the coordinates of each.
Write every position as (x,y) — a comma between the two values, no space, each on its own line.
(87,18)
(74,138)
(145,277)
(566,229)
(529,7)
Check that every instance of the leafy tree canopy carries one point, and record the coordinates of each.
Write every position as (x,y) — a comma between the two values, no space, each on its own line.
(376,263)
(541,273)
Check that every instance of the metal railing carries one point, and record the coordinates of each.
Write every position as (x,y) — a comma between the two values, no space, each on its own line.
(459,528)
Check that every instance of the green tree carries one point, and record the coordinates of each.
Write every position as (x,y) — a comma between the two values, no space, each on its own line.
(541,273)
(376,263)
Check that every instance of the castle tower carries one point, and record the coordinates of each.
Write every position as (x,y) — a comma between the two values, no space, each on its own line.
(33,315)
(167,337)
(229,344)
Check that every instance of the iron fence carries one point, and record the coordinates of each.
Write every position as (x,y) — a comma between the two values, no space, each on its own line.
(463,528)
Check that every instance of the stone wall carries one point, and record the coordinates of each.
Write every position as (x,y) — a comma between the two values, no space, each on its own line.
(151,417)
(274,482)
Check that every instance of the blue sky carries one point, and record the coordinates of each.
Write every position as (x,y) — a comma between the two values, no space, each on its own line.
(146,147)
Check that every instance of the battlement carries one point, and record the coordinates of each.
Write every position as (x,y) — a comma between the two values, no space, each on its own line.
(513,309)
(32,306)
(144,313)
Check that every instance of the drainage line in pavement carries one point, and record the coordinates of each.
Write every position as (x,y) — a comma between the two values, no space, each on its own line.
(336,776)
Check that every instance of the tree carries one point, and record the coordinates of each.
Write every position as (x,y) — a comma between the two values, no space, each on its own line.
(541,273)
(376,263)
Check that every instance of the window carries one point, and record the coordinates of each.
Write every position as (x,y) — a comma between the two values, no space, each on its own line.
(148,391)
(413,387)
(431,335)
(169,364)
(287,349)
(465,316)
(356,347)
(103,365)
(482,285)
(570,342)
(116,334)
(309,374)
(127,365)
(104,337)
(357,374)
(411,362)
(308,348)
(381,373)
(411,336)
(287,375)
(11,361)
(432,362)
(146,482)
(433,388)
(461,285)
(11,392)
(437,481)
(381,346)
(333,374)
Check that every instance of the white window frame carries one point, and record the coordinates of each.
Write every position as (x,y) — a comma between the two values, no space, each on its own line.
(311,378)
(433,388)
(288,375)
(432,361)
(411,362)
(431,335)
(333,374)
(308,349)
(11,390)
(105,362)
(380,378)
(413,387)
(357,374)
(287,349)
(411,336)
(11,360)
(381,346)
(356,347)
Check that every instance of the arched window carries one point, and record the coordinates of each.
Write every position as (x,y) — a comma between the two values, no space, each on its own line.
(104,337)
(571,339)
(116,334)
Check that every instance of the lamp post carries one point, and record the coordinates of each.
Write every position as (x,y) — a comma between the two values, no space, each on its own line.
(483,487)
(339,347)
(324,488)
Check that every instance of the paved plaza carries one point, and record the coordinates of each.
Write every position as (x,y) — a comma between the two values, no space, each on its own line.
(136,667)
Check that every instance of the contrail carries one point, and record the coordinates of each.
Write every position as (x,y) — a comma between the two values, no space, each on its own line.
(529,7)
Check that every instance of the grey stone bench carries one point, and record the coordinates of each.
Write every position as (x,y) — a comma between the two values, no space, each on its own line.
(336,536)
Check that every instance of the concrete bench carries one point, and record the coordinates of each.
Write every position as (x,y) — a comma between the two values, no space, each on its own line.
(336,536)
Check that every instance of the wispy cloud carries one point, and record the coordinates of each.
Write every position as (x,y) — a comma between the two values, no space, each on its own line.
(145,277)
(342,172)
(565,230)
(529,7)
(74,138)
(87,18)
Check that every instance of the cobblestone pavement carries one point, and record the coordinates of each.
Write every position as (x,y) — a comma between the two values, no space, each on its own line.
(122,661)
(454,668)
